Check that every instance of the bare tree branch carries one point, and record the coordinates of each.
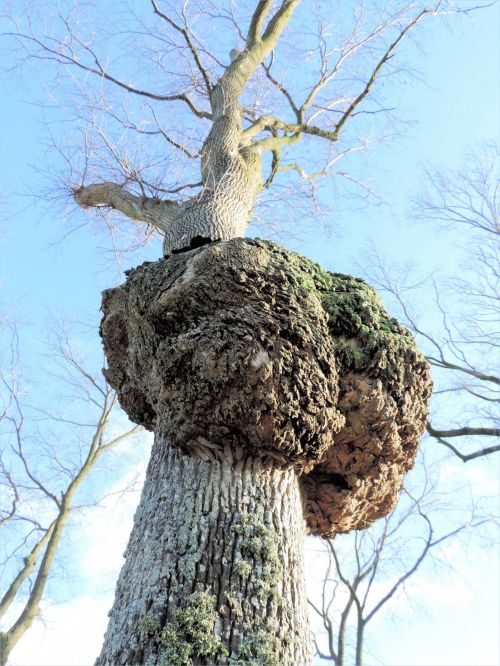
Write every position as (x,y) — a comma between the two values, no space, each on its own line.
(465,457)
(30,490)
(465,331)
(99,70)
(385,58)
(257,22)
(463,432)
(184,31)
(142,209)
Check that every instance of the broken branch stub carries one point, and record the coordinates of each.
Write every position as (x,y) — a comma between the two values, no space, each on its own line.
(243,344)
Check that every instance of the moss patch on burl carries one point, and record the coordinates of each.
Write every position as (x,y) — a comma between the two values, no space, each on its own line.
(366,337)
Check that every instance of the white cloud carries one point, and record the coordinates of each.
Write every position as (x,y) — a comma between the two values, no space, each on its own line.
(104,532)
(444,616)
(69,634)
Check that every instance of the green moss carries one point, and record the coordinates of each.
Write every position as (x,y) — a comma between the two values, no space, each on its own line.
(177,654)
(149,624)
(191,632)
(259,543)
(349,354)
(234,602)
(243,568)
(258,649)
(367,337)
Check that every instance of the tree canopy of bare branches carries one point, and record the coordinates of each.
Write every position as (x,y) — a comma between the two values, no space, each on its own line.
(189,112)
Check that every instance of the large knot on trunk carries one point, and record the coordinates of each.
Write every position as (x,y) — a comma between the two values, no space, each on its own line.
(242,344)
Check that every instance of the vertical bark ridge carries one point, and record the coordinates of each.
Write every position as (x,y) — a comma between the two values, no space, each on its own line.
(232,529)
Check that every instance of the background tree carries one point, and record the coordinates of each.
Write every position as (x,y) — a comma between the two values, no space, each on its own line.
(40,480)
(462,339)
(367,571)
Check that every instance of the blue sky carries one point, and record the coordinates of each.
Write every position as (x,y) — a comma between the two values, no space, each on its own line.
(453,104)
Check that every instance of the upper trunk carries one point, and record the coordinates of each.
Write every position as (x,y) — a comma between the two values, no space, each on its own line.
(223,209)
(231,176)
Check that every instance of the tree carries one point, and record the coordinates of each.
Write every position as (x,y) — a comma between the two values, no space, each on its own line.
(305,401)
(231,582)
(462,340)
(42,483)
(367,570)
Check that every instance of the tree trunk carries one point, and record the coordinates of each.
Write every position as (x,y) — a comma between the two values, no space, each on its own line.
(232,178)
(260,374)
(214,566)
(223,208)
(359,640)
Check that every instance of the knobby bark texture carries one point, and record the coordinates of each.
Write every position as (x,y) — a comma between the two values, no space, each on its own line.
(282,398)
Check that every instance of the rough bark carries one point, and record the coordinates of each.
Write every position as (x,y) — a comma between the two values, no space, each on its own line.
(228,331)
(232,530)
(384,390)
(231,174)
(260,373)
(231,168)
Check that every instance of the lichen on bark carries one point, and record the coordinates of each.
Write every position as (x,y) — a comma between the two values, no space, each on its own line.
(190,535)
(190,634)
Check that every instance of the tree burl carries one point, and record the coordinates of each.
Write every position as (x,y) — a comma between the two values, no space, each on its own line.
(241,350)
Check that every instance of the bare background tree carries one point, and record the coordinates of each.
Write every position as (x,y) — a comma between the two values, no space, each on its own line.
(40,479)
(367,572)
(454,314)
(455,317)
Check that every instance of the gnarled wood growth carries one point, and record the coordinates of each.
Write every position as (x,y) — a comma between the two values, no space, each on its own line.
(283,399)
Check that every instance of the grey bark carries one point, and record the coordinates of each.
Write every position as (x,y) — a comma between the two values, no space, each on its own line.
(233,528)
